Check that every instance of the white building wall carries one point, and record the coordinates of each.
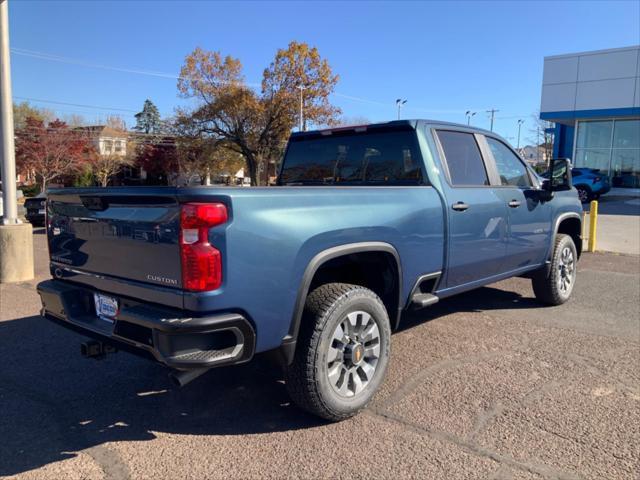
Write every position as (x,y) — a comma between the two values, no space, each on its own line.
(597,80)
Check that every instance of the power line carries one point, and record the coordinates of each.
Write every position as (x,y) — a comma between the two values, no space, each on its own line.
(74,104)
(140,71)
(83,63)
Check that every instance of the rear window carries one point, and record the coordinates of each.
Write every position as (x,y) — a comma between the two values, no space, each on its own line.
(463,158)
(368,158)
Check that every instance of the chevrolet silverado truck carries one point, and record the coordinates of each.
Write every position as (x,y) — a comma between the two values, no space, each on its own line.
(364,223)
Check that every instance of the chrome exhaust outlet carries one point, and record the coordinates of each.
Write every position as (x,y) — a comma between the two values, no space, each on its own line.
(181,377)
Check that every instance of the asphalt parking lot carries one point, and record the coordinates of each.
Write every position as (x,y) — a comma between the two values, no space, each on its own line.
(488,385)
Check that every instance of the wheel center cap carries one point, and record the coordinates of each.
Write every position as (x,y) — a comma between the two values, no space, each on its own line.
(355,353)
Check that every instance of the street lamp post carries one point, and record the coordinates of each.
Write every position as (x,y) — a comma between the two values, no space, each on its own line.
(400,103)
(520,122)
(469,114)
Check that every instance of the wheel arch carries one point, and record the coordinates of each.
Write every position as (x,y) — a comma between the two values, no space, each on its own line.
(569,224)
(351,254)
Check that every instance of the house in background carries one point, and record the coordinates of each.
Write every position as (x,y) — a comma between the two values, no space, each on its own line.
(534,155)
(107,140)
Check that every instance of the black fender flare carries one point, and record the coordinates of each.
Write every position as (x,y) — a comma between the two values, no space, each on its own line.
(289,341)
(556,226)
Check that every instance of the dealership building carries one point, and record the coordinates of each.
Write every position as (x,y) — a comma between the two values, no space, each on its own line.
(594,100)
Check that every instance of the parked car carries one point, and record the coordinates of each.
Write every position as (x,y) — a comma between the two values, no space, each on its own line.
(365,223)
(590,183)
(35,207)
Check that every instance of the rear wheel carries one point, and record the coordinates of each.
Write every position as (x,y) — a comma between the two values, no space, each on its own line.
(342,351)
(553,285)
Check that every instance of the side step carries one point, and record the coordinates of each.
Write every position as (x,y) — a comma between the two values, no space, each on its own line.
(421,300)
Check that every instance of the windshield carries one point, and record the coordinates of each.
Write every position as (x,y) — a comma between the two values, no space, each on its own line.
(368,158)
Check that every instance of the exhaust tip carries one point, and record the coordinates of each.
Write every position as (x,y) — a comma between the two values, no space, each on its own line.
(182,377)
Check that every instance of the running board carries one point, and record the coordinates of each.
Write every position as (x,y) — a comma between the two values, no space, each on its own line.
(421,300)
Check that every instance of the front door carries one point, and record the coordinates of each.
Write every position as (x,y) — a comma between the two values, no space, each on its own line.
(529,218)
(477,213)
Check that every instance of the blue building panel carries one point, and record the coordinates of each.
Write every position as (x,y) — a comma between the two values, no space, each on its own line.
(585,114)
(563,141)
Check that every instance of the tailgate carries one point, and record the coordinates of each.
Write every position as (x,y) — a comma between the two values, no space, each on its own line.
(131,236)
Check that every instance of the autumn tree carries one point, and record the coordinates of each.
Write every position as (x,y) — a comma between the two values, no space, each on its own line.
(24,110)
(148,120)
(256,124)
(298,73)
(116,122)
(157,158)
(51,151)
(105,166)
(75,120)
(199,156)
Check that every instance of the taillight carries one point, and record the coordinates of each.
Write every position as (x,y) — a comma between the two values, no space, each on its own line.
(201,262)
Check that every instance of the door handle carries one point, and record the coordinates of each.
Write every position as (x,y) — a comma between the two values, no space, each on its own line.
(514,203)
(460,206)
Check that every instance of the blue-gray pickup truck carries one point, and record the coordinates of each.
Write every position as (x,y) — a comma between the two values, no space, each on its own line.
(364,223)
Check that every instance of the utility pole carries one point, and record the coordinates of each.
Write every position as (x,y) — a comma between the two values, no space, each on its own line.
(520,122)
(301,124)
(469,114)
(492,112)
(16,238)
(400,103)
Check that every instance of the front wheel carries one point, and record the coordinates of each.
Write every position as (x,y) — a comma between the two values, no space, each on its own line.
(342,351)
(553,285)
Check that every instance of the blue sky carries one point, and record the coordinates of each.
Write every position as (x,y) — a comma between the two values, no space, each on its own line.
(444,57)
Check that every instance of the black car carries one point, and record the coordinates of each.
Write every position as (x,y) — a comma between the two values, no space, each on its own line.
(35,207)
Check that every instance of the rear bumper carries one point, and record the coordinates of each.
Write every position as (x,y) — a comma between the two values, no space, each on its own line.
(166,334)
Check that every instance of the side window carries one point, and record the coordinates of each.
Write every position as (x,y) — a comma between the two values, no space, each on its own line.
(463,158)
(511,170)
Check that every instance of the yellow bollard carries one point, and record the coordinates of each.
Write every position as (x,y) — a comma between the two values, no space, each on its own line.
(593,225)
(583,232)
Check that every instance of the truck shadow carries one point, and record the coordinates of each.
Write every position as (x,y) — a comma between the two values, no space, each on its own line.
(479,300)
(55,403)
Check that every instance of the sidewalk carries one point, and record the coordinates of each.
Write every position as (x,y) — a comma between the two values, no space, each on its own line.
(618,224)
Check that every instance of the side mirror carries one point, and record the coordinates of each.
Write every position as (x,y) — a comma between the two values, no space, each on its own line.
(559,175)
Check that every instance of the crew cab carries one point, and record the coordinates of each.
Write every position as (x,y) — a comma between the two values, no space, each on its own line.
(364,223)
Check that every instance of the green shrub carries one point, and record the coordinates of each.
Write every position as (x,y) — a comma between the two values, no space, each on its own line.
(30,190)
(84,179)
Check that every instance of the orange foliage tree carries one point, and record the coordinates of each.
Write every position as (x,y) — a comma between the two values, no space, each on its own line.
(256,122)
(51,151)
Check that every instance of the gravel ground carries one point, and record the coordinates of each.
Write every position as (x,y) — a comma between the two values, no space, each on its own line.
(488,385)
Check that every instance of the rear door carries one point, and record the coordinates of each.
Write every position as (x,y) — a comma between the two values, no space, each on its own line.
(529,217)
(477,215)
(118,234)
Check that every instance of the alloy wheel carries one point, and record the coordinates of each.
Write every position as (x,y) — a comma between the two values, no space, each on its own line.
(353,353)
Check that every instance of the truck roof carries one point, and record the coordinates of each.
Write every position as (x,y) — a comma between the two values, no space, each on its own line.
(410,123)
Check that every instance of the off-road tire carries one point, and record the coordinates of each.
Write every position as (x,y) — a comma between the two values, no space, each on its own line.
(547,281)
(306,378)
